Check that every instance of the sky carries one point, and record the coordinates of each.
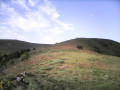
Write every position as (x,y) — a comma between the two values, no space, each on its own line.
(53,21)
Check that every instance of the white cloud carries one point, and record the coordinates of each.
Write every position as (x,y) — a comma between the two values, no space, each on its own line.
(50,11)
(21,3)
(41,20)
(5,9)
(33,2)
(6,33)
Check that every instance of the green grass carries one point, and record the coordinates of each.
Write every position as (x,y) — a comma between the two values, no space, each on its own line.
(67,70)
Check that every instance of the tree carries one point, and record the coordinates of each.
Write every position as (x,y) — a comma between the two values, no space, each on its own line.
(34,48)
(79,46)
(24,56)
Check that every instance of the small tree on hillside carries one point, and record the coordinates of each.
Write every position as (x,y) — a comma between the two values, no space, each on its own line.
(34,48)
(80,47)
(24,56)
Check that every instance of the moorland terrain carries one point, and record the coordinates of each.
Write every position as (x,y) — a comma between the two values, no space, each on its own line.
(77,64)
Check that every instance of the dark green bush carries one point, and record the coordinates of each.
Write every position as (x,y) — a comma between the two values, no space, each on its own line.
(24,56)
(7,58)
(79,46)
(34,48)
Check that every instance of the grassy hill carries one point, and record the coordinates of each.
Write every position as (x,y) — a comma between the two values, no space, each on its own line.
(8,46)
(65,67)
(103,46)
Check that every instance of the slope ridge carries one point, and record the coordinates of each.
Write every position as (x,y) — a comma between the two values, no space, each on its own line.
(103,46)
(7,45)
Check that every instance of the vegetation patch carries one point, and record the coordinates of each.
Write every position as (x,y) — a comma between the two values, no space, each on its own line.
(55,61)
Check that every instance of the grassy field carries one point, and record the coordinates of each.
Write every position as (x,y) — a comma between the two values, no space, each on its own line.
(65,69)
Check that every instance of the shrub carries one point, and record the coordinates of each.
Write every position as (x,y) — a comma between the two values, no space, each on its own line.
(34,48)
(24,56)
(32,86)
(10,77)
(1,85)
(79,46)
(56,61)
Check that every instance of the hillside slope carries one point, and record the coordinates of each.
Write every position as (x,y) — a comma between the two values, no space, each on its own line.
(64,69)
(15,45)
(103,46)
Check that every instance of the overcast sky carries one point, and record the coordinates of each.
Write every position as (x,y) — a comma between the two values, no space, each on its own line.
(53,21)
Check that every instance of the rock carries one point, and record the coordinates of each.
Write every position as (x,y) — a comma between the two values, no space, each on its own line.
(20,79)
(23,73)
(106,76)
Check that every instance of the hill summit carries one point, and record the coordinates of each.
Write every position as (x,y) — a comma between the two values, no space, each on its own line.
(102,46)
(8,45)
